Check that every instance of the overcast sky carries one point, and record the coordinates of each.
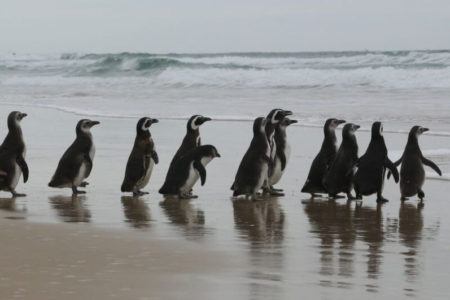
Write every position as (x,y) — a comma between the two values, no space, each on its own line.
(50,26)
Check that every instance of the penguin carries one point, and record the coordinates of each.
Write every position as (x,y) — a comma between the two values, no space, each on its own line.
(76,163)
(252,173)
(184,173)
(283,151)
(323,160)
(273,119)
(192,138)
(12,156)
(412,173)
(369,178)
(340,175)
(141,160)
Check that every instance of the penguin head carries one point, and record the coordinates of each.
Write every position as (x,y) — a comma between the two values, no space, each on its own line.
(277,114)
(417,130)
(195,121)
(286,122)
(349,130)
(14,119)
(84,126)
(210,151)
(332,123)
(377,129)
(144,124)
(259,125)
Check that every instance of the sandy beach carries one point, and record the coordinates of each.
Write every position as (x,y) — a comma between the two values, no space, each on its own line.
(106,244)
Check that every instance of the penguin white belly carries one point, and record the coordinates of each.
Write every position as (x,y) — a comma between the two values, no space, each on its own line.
(262,178)
(277,172)
(81,175)
(191,180)
(16,177)
(148,173)
(92,152)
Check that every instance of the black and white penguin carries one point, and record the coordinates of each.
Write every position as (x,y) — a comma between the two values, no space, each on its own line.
(340,175)
(273,119)
(283,151)
(323,160)
(252,173)
(369,178)
(412,173)
(12,156)
(192,138)
(141,160)
(76,163)
(184,173)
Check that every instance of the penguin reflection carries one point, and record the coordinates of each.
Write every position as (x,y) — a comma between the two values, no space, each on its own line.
(71,209)
(410,230)
(333,224)
(338,226)
(9,204)
(181,212)
(261,223)
(137,212)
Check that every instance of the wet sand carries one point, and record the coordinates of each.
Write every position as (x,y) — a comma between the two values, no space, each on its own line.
(212,247)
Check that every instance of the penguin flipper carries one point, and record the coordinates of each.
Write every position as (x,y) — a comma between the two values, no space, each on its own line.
(201,170)
(396,164)
(392,168)
(282,157)
(88,163)
(23,166)
(432,165)
(155,157)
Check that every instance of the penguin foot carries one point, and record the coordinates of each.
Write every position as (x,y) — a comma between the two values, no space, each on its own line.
(139,193)
(276,193)
(276,190)
(339,197)
(75,191)
(187,196)
(358,197)
(402,198)
(382,200)
(351,197)
(421,195)
(15,194)
(84,184)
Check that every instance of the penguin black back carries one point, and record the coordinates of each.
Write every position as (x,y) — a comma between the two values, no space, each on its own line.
(412,173)
(79,155)
(192,138)
(179,172)
(323,160)
(340,175)
(369,177)
(252,171)
(12,155)
(142,158)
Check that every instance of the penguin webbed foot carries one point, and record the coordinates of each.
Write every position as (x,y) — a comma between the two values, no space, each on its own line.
(75,191)
(140,193)
(276,190)
(351,197)
(15,194)
(381,199)
(338,197)
(421,195)
(84,184)
(188,195)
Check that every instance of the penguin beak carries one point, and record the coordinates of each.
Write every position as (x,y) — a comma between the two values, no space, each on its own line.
(425,129)
(93,123)
(287,113)
(340,121)
(217,154)
(292,122)
(22,115)
(153,121)
(356,127)
(205,119)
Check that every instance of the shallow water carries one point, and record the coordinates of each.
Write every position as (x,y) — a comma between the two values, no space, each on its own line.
(284,247)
